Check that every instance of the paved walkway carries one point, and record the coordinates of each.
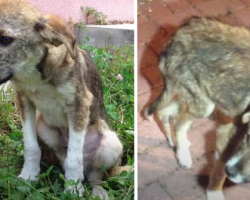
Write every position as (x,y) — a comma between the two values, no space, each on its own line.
(160,178)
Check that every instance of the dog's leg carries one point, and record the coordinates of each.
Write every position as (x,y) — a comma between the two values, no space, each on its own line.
(109,152)
(73,164)
(182,152)
(227,138)
(78,119)
(184,122)
(165,115)
(51,137)
(168,131)
(107,155)
(32,152)
(216,181)
(95,177)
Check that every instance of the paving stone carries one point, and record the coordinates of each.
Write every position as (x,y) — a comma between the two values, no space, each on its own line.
(146,31)
(173,21)
(201,197)
(244,16)
(141,17)
(203,164)
(146,98)
(157,11)
(202,137)
(230,19)
(247,2)
(181,185)
(143,85)
(143,1)
(153,192)
(213,8)
(158,162)
(177,6)
(197,1)
(170,21)
(246,185)
(149,135)
(140,118)
(236,192)
(234,4)
(146,57)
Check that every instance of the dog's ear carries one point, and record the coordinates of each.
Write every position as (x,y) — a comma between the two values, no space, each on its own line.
(55,31)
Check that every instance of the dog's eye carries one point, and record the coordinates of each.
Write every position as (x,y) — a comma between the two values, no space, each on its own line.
(5,41)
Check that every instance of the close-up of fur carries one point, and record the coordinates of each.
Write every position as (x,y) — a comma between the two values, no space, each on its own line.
(59,96)
(205,65)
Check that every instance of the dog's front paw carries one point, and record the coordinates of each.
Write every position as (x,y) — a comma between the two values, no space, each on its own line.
(170,142)
(184,157)
(100,192)
(214,195)
(30,174)
(74,189)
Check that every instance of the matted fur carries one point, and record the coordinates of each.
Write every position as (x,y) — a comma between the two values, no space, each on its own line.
(205,65)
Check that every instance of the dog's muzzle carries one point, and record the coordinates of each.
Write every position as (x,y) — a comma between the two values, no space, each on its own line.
(6,75)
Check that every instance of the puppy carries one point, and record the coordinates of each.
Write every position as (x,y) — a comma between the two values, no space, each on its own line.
(51,75)
(205,64)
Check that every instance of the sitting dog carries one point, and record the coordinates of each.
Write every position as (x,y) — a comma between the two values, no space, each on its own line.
(50,74)
(205,64)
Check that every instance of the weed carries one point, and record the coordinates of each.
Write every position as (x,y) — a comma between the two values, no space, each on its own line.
(97,17)
(119,102)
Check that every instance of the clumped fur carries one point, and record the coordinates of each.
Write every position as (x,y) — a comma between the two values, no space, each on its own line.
(204,65)
(59,96)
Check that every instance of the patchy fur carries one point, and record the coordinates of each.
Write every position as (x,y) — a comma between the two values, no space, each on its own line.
(205,65)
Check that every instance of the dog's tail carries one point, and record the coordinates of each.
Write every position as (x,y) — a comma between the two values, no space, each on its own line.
(160,103)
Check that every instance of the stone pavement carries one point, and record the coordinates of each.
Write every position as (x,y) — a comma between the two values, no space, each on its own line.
(159,176)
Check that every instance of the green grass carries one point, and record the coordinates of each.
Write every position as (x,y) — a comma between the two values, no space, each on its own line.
(119,102)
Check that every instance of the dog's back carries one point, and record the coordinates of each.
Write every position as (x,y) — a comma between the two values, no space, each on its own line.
(205,65)
(93,81)
(207,61)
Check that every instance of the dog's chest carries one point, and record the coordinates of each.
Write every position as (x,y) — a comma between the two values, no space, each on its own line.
(51,102)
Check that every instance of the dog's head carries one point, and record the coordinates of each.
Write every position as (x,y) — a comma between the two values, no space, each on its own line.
(24,31)
(238,166)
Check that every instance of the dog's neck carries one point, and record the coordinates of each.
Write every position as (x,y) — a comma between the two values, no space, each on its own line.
(53,64)
(41,64)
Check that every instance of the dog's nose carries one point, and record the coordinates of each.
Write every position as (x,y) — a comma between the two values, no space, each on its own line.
(231,171)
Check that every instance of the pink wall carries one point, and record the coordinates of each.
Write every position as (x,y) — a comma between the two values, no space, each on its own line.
(114,9)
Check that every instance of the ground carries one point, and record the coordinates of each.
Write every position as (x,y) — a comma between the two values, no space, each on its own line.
(159,176)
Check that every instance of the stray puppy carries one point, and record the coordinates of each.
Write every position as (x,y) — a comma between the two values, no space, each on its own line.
(39,55)
(205,64)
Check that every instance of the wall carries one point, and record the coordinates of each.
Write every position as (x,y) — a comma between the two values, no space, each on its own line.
(103,36)
(114,9)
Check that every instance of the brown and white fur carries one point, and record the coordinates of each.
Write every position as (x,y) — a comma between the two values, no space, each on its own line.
(58,93)
(204,65)
(237,167)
